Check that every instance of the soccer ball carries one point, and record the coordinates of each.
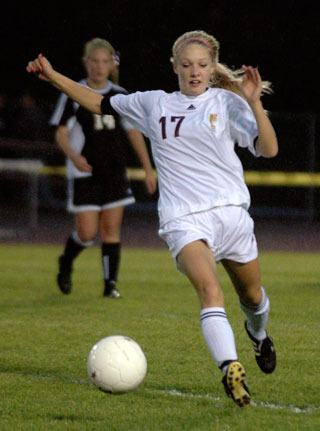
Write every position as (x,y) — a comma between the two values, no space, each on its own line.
(116,364)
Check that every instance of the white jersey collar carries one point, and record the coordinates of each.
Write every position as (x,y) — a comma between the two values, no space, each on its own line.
(97,90)
(184,98)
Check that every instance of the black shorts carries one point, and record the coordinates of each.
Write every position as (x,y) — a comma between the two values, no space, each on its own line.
(96,193)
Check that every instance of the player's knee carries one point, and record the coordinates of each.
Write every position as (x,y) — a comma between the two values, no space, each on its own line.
(86,236)
(252,296)
(209,293)
(110,235)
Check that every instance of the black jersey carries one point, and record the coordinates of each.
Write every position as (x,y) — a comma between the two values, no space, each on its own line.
(104,140)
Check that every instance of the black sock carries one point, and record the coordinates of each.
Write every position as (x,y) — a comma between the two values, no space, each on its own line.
(72,250)
(110,262)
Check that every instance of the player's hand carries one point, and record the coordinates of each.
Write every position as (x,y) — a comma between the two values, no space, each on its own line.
(251,84)
(150,182)
(42,67)
(81,164)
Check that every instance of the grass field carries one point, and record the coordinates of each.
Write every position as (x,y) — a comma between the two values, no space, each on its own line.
(46,338)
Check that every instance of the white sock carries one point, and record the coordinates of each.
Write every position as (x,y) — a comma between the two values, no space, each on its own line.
(218,334)
(257,316)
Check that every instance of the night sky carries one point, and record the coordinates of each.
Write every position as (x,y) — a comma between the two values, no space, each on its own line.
(280,37)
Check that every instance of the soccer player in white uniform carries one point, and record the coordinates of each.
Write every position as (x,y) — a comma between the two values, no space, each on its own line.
(98,188)
(203,204)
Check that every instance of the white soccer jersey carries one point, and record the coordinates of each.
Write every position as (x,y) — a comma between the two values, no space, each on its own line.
(193,141)
(76,135)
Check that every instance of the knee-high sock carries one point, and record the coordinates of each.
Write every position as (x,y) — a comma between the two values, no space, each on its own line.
(218,335)
(257,316)
(110,261)
(74,247)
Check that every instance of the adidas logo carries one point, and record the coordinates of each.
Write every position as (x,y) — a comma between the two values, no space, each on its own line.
(191,107)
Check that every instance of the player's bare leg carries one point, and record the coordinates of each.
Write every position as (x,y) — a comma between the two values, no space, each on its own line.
(197,262)
(246,278)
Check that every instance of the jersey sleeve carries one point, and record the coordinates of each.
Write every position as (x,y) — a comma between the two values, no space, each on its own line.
(243,126)
(64,112)
(134,108)
(126,125)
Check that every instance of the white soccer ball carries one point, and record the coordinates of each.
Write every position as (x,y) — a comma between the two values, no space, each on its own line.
(116,364)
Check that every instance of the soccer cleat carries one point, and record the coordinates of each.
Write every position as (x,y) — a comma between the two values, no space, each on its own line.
(265,352)
(64,276)
(235,384)
(115,294)
(110,291)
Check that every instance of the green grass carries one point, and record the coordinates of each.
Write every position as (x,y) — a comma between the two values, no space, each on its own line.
(46,338)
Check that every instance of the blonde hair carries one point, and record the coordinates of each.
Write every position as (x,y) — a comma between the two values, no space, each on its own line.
(96,43)
(223,77)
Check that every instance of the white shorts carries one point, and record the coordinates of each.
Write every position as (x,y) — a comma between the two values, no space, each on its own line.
(227,230)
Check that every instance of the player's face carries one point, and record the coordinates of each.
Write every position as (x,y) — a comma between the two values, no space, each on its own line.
(99,65)
(194,69)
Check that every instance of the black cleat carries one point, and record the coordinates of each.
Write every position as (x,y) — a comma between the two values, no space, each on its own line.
(110,291)
(64,276)
(114,293)
(265,352)
(234,382)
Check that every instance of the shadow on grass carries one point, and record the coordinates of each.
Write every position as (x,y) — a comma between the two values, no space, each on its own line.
(37,373)
(73,418)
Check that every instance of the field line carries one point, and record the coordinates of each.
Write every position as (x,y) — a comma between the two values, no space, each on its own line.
(255,403)
(177,393)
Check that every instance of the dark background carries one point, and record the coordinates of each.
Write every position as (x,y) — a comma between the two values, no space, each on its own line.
(280,37)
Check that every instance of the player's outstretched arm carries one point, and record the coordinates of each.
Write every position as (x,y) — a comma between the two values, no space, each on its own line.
(80,94)
(267,144)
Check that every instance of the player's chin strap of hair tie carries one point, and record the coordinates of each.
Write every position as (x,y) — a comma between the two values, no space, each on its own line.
(189,40)
(116,58)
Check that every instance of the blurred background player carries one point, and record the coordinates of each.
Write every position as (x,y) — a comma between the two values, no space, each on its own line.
(98,189)
(203,199)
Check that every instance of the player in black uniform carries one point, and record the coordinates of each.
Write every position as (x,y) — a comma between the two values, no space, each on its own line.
(98,189)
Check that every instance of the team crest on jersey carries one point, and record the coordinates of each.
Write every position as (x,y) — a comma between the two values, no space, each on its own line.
(213,119)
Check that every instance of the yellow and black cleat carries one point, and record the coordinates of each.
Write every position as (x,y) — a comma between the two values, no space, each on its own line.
(234,382)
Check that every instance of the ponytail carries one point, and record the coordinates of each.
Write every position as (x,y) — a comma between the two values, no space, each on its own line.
(231,80)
